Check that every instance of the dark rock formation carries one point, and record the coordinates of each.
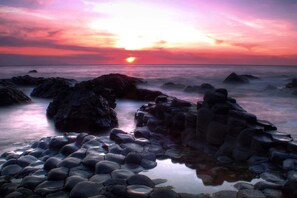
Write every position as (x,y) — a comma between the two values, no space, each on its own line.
(27,80)
(33,71)
(233,78)
(292,84)
(51,87)
(10,96)
(199,89)
(172,85)
(76,110)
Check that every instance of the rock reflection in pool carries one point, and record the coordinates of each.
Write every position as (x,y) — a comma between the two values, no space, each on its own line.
(186,180)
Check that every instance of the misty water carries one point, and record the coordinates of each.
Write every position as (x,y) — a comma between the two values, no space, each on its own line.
(22,124)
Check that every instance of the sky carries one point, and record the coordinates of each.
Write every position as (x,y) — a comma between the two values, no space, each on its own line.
(47,32)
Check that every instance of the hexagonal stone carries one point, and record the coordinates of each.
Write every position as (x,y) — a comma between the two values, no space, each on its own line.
(163,192)
(27,159)
(225,194)
(118,158)
(140,180)
(48,187)
(69,148)
(81,171)
(31,181)
(105,166)
(85,189)
(59,194)
(133,158)
(58,173)
(121,174)
(11,170)
(51,163)
(138,191)
(250,193)
(70,162)
(80,153)
(72,181)
(92,159)
(57,142)
(100,178)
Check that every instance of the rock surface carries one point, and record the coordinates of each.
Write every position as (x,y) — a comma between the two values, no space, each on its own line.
(10,96)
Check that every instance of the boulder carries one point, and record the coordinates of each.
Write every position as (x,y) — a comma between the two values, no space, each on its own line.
(250,193)
(233,78)
(216,133)
(51,88)
(85,189)
(81,111)
(33,71)
(27,80)
(10,96)
(290,188)
(199,89)
(292,84)
(204,117)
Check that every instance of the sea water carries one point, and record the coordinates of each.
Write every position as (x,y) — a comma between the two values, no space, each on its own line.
(22,124)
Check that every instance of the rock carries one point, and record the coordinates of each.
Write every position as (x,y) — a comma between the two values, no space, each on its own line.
(59,194)
(131,147)
(216,133)
(31,182)
(100,178)
(81,171)
(271,193)
(204,117)
(57,142)
(172,85)
(133,158)
(58,173)
(180,103)
(163,192)
(11,170)
(121,174)
(105,167)
(51,163)
(233,78)
(81,111)
(292,84)
(33,71)
(245,137)
(290,188)
(140,180)
(161,99)
(142,132)
(241,154)
(92,159)
(273,177)
(199,89)
(10,96)
(118,158)
(51,88)
(85,189)
(27,80)
(243,185)
(250,193)
(48,187)
(261,144)
(261,185)
(224,194)
(69,162)
(138,191)
(146,95)
(72,181)
(69,148)
(14,195)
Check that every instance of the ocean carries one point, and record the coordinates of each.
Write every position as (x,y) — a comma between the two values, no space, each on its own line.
(22,124)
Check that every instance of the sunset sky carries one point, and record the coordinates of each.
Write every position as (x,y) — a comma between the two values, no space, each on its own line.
(153,31)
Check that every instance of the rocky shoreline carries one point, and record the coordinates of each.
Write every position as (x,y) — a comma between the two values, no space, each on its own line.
(216,136)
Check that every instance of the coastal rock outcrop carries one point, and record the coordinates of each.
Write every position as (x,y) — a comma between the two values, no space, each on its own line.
(234,78)
(292,84)
(27,80)
(51,87)
(10,96)
(199,89)
(76,110)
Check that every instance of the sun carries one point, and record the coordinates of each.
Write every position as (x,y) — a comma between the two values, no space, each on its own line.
(130,59)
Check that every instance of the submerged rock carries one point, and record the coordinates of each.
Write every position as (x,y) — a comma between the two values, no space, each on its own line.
(10,96)
(233,78)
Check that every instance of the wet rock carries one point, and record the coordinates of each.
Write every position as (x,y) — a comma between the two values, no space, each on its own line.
(243,185)
(273,177)
(131,147)
(27,80)
(140,180)
(289,164)
(241,154)
(225,194)
(250,193)
(92,159)
(100,178)
(58,173)
(11,170)
(14,195)
(48,187)
(10,96)
(81,171)
(161,99)
(57,142)
(261,144)
(69,148)
(72,181)
(272,193)
(145,95)
(233,78)
(80,154)
(142,132)
(268,126)
(133,158)
(138,191)
(118,158)
(59,194)
(69,162)
(51,88)
(204,117)
(180,103)
(290,188)
(121,174)
(51,163)
(172,85)
(261,185)
(76,110)
(33,71)
(148,164)
(199,89)
(292,84)
(85,189)
(163,192)
(105,167)
(216,133)
(31,182)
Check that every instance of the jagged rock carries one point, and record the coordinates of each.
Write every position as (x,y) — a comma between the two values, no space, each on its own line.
(81,111)
(10,96)
(233,78)
(51,87)
(27,80)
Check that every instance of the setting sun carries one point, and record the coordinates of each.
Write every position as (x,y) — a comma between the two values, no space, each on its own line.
(130,59)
